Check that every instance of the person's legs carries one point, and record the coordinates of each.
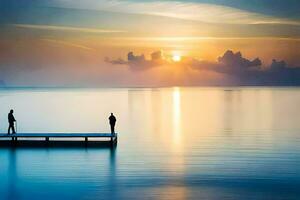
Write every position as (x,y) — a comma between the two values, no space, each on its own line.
(13,129)
(113,128)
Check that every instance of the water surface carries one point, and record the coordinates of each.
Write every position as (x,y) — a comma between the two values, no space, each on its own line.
(174,143)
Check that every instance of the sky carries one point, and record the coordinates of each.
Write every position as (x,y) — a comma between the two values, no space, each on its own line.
(116,43)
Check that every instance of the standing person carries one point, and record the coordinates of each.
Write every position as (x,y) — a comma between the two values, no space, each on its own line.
(112,122)
(11,122)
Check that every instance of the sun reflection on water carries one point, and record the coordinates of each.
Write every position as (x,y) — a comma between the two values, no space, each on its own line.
(176,117)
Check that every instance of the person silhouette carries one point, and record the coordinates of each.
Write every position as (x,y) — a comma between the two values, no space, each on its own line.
(112,122)
(11,122)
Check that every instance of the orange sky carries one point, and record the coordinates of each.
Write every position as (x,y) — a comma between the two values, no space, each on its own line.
(70,47)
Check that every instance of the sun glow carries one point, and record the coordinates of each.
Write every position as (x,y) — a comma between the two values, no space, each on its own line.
(176,57)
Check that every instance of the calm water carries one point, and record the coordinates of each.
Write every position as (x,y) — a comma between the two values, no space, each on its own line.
(174,143)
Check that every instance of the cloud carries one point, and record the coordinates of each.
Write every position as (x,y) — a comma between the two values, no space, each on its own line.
(237,61)
(229,63)
(65,28)
(118,61)
(236,69)
(139,62)
(183,10)
(278,65)
(59,42)
(251,72)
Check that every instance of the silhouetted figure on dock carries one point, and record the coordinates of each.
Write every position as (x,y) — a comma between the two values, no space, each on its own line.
(11,122)
(112,122)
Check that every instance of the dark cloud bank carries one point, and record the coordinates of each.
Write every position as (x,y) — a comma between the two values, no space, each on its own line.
(139,62)
(237,69)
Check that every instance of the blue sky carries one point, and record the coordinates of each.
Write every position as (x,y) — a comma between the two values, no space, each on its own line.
(222,11)
(284,8)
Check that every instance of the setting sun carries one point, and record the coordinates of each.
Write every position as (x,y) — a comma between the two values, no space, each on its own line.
(176,58)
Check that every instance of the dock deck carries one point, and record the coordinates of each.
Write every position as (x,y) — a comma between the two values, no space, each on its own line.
(20,139)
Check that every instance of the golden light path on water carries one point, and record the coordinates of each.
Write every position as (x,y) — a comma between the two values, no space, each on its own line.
(176,136)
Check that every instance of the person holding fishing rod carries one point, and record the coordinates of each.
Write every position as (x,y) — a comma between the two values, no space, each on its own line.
(11,122)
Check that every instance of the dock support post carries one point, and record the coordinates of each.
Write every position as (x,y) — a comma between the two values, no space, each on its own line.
(47,139)
(113,140)
(86,139)
(14,140)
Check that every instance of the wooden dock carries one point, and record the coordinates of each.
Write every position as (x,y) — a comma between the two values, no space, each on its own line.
(52,139)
